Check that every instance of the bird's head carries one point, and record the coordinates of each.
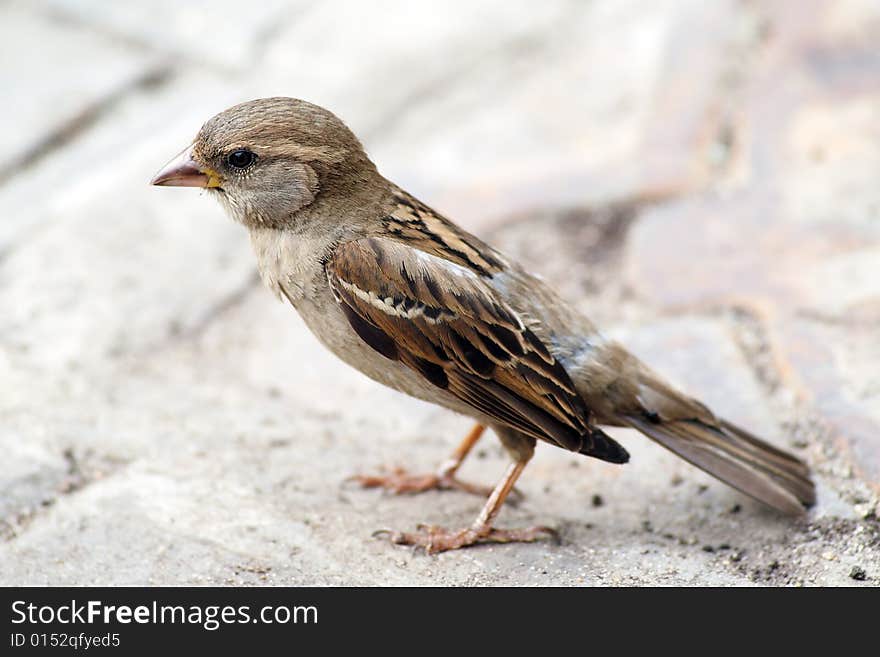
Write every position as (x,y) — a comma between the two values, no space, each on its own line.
(268,159)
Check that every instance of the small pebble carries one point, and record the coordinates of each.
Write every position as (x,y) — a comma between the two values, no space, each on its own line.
(858,574)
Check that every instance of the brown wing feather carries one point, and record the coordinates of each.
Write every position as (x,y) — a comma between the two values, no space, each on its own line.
(445,322)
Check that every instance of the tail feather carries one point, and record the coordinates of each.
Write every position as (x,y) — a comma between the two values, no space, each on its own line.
(736,457)
(757,446)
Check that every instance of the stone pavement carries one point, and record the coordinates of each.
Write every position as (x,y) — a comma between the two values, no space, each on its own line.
(700,177)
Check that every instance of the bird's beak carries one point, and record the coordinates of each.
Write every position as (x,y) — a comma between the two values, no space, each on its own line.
(183,171)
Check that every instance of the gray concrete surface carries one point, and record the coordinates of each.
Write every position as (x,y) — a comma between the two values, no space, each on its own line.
(700,177)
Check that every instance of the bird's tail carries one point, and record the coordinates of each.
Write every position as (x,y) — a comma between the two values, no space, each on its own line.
(736,457)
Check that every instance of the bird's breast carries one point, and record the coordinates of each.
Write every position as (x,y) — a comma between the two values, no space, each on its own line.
(290,263)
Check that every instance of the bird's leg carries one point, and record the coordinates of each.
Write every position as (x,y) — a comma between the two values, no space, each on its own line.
(438,539)
(400,481)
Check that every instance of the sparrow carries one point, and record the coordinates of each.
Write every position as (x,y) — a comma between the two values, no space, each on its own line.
(404,295)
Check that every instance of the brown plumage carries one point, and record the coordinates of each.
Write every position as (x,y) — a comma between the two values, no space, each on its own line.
(417,303)
(461,336)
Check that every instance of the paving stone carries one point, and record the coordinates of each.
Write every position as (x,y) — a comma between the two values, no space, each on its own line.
(80,261)
(835,367)
(219,33)
(806,239)
(47,104)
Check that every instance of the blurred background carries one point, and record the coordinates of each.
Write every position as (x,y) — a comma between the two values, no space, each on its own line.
(700,177)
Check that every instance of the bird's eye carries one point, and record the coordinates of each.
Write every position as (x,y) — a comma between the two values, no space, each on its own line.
(240,158)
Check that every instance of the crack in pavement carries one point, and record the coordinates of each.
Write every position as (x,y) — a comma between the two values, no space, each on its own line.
(74,127)
(442,84)
(25,498)
(218,309)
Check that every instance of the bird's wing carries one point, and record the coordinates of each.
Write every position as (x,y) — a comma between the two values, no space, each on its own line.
(444,321)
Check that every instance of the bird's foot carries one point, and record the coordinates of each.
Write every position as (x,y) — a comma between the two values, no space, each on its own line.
(438,539)
(400,482)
